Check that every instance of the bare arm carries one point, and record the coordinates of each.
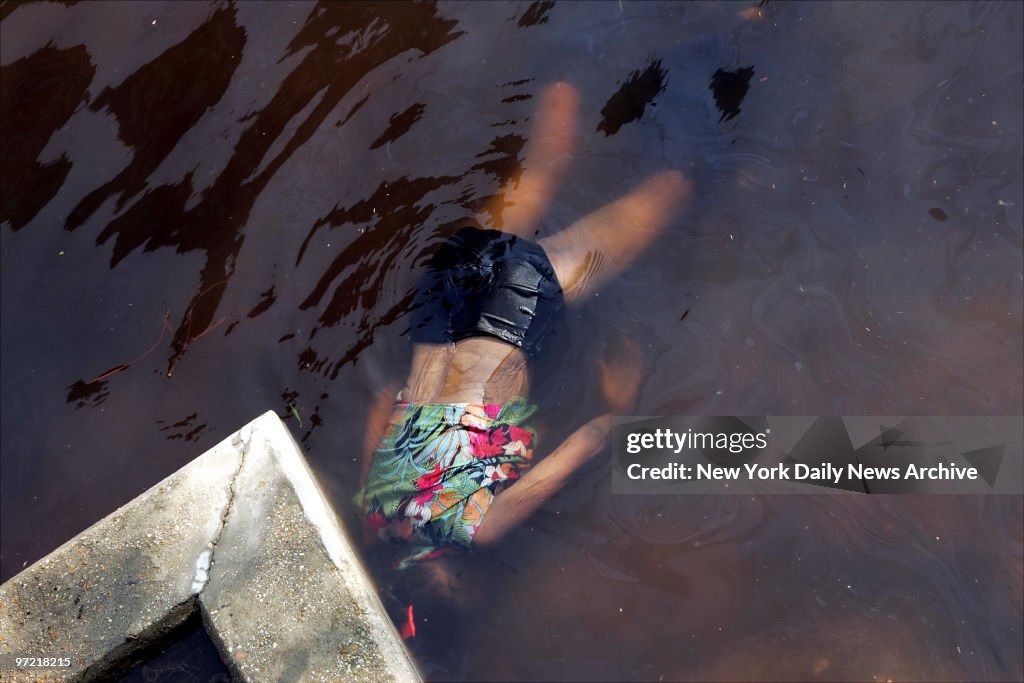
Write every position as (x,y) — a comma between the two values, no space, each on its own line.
(621,374)
(602,244)
(523,200)
(376,425)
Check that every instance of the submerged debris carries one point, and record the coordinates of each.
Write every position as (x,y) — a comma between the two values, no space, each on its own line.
(409,627)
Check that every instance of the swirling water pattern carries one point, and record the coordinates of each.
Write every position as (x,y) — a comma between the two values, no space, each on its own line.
(212,208)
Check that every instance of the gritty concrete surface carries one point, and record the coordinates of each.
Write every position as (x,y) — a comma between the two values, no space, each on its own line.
(287,598)
(122,582)
(242,533)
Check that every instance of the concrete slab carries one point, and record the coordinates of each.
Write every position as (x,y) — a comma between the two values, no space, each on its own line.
(242,533)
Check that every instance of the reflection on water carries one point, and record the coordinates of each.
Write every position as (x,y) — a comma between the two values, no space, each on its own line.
(255,186)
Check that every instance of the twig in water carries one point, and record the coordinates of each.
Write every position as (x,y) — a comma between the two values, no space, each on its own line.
(163,328)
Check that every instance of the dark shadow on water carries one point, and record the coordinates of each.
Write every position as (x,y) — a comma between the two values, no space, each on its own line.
(40,93)
(162,101)
(629,101)
(186,656)
(729,88)
(281,172)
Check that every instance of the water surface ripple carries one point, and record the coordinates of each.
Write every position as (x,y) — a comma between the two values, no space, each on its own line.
(212,209)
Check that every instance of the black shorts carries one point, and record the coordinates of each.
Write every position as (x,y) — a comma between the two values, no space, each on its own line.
(487,283)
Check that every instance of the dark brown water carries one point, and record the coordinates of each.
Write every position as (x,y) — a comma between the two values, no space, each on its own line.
(234,201)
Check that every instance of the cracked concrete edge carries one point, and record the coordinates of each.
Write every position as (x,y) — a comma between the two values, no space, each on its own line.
(241,441)
(138,573)
(273,435)
(121,583)
(283,552)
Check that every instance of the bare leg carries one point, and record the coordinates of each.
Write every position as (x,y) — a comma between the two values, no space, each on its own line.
(597,247)
(376,426)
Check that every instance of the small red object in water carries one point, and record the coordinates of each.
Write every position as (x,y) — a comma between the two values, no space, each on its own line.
(409,627)
(110,372)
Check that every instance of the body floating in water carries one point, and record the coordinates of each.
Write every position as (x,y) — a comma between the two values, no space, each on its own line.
(451,463)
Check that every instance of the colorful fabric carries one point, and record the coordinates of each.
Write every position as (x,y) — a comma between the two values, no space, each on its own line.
(435,473)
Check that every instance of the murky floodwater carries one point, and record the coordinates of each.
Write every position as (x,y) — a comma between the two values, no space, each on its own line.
(225,207)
